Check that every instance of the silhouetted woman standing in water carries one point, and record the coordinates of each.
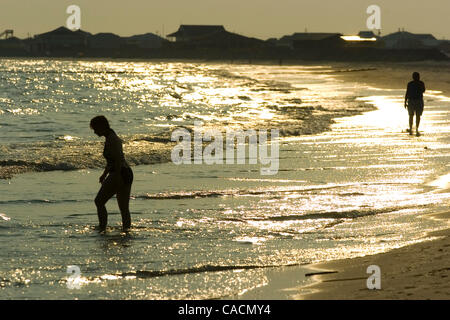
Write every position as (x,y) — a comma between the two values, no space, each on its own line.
(117,177)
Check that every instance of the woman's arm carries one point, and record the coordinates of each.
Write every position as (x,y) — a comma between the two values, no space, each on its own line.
(103,176)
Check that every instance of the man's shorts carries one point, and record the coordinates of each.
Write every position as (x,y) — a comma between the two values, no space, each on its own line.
(415,106)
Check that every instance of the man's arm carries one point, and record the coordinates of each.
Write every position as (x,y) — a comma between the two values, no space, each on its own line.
(407,95)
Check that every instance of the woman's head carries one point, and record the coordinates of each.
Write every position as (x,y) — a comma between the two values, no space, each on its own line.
(100,125)
(416,76)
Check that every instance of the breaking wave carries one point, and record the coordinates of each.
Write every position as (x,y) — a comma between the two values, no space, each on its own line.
(49,102)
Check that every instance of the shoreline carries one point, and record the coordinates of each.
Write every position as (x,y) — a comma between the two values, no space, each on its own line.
(296,119)
(416,271)
(290,277)
(374,74)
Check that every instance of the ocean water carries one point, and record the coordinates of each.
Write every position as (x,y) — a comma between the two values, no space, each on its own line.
(350,181)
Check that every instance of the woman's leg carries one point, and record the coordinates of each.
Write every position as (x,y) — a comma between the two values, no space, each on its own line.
(123,197)
(107,190)
(123,200)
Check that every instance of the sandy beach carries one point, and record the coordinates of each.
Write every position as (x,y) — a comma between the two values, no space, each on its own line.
(418,271)
(221,230)
(397,75)
(415,272)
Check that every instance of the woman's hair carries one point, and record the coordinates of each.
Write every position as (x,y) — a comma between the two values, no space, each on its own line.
(99,121)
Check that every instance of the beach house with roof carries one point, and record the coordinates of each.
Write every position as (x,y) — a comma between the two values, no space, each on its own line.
(311,40)
(145,41)
(12,46)
(367,35)
(8,33)
(444,46)
(113,41)
(13,42)
(408,40)
(364,39)
(59,40)
(212,36)
(105,40)
(193,32)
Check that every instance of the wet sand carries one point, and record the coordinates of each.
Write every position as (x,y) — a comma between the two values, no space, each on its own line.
(436,75)
(420,271)
(417,272)
(162,223)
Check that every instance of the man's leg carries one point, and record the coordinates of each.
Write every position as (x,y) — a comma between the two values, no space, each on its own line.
(411,119)
(419,112)
(417,124)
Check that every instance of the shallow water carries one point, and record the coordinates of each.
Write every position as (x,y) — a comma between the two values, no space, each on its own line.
(206,231)
(46,105)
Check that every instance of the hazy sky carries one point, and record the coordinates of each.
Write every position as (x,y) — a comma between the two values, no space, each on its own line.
(256,18)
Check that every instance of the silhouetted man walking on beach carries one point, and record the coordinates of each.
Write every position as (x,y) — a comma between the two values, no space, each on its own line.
(414,101)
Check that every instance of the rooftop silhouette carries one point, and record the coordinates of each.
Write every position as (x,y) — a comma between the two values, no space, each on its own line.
(215,42)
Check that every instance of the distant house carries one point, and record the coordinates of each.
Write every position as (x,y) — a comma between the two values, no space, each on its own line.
(212,37)
(58,40)
(407,40)
(272,41)
(444,46)
(12,43)
(194,32)
(113,41)
(105,41)
(364,39)
(12,46)
(367,35)
(312,40)
(145,41)
(8,33)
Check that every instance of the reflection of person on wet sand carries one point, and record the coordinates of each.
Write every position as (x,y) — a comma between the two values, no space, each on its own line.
(117,177)
(414,101)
